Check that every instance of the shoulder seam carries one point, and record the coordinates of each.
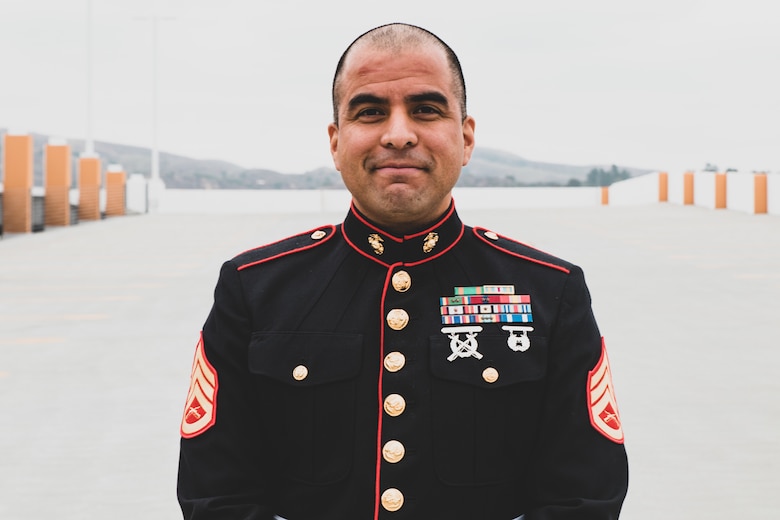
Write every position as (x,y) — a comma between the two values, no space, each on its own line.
(479,231)
(329,229)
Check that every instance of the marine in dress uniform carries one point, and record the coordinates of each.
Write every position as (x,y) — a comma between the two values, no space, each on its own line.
(449,373)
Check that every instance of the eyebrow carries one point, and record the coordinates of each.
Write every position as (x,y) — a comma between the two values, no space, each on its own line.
(365,99)
(430,97)
(423,97)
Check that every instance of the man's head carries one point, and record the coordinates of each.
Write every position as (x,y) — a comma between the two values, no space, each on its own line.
(400,133)
(396,37)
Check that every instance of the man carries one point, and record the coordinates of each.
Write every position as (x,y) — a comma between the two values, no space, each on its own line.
(400,365)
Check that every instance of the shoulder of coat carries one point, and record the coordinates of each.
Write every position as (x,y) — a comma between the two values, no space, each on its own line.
(520,250)
(285,247)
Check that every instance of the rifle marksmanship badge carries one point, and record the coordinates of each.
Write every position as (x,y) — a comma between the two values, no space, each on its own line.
(463,348)
(485,304)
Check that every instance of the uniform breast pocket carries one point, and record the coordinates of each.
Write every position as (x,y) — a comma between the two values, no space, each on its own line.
(486,400)
(308,381)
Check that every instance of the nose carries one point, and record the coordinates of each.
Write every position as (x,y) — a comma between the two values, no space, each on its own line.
(399,132)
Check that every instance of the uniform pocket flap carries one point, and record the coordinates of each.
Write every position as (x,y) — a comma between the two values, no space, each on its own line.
(487,361)
(305,358)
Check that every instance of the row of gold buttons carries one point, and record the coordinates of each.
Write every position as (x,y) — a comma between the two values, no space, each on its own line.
(394,404)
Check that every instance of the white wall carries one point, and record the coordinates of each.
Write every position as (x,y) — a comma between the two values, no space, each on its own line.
(252,201)
(637,190)
(740,192)
(704,189)
(279,201)
(773,193)
(676,187)
(532,197)
(137,200)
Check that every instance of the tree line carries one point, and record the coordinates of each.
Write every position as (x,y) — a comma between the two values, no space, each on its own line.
(601,177)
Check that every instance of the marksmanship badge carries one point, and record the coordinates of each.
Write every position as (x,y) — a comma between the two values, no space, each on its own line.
(602,407)
(200,412)
(521,342)
(463,348)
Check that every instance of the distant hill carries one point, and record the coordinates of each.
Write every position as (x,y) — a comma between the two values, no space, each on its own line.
(488,167)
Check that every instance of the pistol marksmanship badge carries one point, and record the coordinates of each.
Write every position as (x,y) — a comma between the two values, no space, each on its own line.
(521,342)
(466,347)
(489,304)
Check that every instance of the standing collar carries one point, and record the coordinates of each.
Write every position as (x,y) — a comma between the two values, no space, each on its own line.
(383,247)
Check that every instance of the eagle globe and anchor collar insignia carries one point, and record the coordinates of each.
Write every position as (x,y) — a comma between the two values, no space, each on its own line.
(412,249)
(480,305)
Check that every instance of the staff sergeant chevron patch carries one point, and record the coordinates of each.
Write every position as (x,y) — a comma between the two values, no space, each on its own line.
(602,405)
(200,412)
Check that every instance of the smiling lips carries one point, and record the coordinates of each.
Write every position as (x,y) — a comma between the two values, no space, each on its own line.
(398,166)
(398,169)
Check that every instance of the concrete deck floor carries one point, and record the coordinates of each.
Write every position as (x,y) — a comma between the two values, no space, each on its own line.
(98,323)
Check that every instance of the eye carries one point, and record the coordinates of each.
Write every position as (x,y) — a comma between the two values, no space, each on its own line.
(370,113)
(427,111)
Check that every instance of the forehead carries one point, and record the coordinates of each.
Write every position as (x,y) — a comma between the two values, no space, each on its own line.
(369,68)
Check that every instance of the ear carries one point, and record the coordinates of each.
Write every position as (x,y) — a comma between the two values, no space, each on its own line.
(468,139)
(333,134)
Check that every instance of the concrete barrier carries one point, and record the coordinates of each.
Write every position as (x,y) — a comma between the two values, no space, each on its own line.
(58,178)
(89,187)
(116,195)
(17,183)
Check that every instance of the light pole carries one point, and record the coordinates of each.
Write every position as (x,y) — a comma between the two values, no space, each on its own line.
(89,144)
(156,185)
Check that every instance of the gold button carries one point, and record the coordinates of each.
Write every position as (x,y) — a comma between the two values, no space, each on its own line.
(394,361)
(491,235)
(300,373)
(317,235)
(397,319)
(402,281)
(490,375)
(394,405)
(392,499)
(393,451)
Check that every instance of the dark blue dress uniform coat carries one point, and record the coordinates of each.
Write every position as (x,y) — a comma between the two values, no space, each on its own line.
(325,388)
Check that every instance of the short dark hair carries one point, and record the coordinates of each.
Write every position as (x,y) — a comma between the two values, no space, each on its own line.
(400,36)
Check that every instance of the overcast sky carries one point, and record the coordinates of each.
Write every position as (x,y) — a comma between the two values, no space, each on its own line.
(664,84)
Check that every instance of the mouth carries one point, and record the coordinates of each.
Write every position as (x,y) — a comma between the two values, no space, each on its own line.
(398,166)
(398,169)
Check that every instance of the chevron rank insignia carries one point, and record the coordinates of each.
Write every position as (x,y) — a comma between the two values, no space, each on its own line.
(200,412)
(603,408)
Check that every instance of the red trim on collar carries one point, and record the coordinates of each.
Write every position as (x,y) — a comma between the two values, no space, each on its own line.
(356,248)
(437,255)
(394,238)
